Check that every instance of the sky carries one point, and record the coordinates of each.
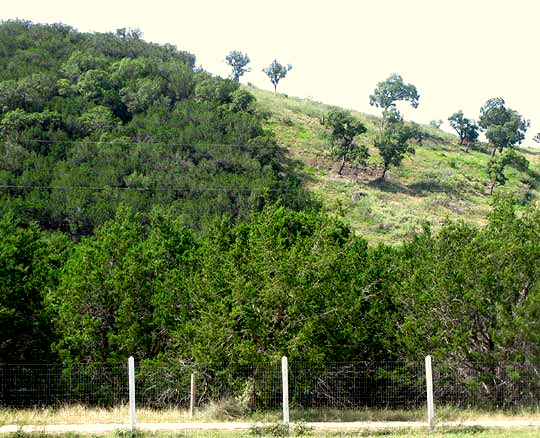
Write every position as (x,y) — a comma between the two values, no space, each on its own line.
(458,53)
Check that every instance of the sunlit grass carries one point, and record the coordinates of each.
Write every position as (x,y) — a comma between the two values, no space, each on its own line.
(440,182)
(224,411)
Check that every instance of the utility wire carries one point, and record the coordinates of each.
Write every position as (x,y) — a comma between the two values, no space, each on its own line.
(139,143)
(147,189)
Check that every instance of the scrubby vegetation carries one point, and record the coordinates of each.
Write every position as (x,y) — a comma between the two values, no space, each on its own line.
(151,209)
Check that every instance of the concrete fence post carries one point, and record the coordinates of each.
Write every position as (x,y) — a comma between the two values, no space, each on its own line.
(131,380)
(285,385)
(192,394)
(429,390)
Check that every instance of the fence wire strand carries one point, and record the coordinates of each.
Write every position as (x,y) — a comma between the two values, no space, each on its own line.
(99,393)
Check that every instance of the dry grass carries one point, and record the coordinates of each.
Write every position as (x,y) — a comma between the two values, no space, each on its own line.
(223,411)
(439,182)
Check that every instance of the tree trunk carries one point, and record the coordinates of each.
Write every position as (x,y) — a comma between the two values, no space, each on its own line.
(341,167)
(492,187)
(385,168)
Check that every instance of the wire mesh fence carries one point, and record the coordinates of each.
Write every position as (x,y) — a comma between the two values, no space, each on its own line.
(356,385)
(488,385)
(91,393)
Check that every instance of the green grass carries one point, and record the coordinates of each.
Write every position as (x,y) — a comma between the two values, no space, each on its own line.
(439,182)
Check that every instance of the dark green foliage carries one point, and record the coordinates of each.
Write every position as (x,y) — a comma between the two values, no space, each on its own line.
(113,285)
(504,127)
(466,129)
(470,294)
(111,119)
(30,263)
(393,137)
(392,140)
(286,283)
(344,128)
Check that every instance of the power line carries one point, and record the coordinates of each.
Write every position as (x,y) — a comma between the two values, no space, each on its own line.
(139,143)
(145,189)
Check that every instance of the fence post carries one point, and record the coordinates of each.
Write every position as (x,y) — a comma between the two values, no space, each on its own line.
(285,384)
(429,389)
(192,395)
(131,375)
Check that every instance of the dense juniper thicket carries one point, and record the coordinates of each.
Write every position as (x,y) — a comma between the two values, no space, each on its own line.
(146,212)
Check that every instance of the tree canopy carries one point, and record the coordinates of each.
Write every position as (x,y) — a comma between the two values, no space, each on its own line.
(392,139)
(343,130)
(466,129)
(146,210)
(503,126)
(108,119)
(275,71)
(393,90)
(238,61)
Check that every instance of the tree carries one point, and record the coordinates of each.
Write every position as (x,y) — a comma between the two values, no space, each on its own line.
(436,123)
(276,72)
(504,127)
(344,128)
(468,294)
(496,166)
(466,128)
(238,62)
(30,264)
(393,138)
(392,90)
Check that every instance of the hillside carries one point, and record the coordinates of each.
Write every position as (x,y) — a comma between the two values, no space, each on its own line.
(439,182)
(89,122)
(149,209)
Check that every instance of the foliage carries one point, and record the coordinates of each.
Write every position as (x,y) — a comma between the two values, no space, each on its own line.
(466,129)
(238,61)
(504,127)
(497,165)
(106,302)
(436,123)
(111,119)
(392,90)
(193,240)
(30,264)
(344,128)
(275,72)
(393,136)
(467,292)
(393,140)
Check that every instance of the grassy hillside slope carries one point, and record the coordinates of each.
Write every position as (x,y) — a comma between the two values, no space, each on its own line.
(439,182)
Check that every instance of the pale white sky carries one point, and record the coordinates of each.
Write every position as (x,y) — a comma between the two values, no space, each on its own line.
(458,53)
